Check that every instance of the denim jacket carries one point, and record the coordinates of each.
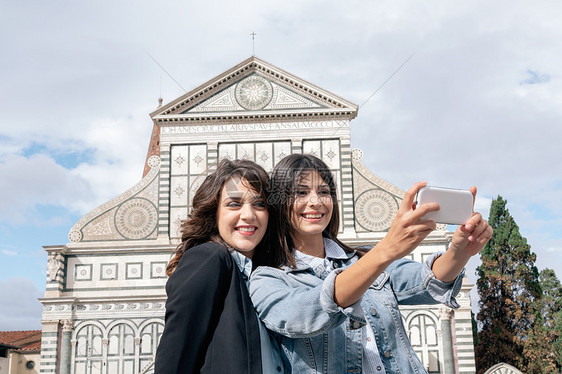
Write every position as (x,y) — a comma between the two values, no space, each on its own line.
(318,336)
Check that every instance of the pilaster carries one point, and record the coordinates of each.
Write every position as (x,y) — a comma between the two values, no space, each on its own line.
(445,316)
(66,346)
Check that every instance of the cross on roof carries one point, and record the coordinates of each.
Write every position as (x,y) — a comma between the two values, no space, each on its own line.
(253,34)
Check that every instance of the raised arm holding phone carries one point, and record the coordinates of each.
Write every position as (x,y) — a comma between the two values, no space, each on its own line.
(335,311)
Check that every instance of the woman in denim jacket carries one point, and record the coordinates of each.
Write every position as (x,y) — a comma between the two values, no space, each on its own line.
(335,311)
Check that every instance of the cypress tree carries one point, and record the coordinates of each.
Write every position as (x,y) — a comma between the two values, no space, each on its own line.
(508,286)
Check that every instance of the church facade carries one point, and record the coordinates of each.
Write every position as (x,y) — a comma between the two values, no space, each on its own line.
(104,304)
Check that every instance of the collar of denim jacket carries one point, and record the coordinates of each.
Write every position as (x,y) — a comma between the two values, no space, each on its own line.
(334,253)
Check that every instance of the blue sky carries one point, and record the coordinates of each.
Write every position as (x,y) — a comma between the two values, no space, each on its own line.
(478,103)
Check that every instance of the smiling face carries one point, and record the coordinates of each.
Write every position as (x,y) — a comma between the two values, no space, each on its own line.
(242,216)
(312,208)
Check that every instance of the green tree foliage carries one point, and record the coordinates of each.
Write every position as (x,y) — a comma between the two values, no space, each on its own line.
(557,344)
(508,287)
(542,348)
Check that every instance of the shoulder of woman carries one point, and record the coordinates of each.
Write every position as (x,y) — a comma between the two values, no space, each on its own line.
(269,272)
(207,255)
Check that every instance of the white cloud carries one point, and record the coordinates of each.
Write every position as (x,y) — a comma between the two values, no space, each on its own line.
(37,180)
(19,309)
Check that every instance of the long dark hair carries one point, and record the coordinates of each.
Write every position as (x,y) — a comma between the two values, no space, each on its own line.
(284,179)
(201,224)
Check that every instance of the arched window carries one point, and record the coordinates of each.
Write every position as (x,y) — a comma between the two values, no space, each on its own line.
(121,350)
(88,352)
(423,335)
(150,337)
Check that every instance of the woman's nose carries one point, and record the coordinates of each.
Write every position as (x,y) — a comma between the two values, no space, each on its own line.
(247,212)
(313,199)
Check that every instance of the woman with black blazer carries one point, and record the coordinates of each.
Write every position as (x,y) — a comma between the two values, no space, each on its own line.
(211,325)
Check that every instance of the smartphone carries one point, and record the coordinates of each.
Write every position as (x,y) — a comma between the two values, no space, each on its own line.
(455,205)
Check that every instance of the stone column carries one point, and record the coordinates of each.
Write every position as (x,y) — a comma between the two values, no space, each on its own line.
(138,341)
(105,345)
(448,356)
(66,347)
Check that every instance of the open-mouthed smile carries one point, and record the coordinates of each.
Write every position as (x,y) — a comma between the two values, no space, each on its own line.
(246,230)
(312,217)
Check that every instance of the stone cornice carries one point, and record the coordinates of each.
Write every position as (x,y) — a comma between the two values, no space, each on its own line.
(244,117)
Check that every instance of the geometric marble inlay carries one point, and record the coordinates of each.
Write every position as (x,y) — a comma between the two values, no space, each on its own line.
(158,270)
(134,270)
(375,210)
(136,218)
(253,92)
(108,271)
(83,272)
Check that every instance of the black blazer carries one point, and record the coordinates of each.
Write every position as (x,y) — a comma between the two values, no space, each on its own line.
(211,325)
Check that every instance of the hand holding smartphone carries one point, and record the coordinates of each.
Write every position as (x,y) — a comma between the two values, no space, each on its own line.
(455,205)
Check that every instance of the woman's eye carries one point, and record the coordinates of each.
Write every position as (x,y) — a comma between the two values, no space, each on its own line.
(325,192)
(301,193)
(260,204)
(233,204)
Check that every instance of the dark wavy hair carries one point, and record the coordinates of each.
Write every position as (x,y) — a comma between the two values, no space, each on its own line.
(284,179)
(201,224)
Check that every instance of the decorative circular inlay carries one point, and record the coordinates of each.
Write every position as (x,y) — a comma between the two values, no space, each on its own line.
(136,218)
(375,210)
(75,236)
(357,154)
(153,161)
(83,272)
(253,92)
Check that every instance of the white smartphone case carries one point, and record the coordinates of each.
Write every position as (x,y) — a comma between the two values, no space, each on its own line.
(455,205)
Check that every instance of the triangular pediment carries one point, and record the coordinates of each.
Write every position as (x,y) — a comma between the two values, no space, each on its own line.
(255,88)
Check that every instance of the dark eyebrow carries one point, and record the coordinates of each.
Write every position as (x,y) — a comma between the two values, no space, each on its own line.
(239,197)
(303,186)
(234,196)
